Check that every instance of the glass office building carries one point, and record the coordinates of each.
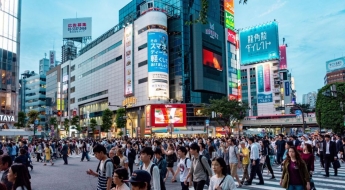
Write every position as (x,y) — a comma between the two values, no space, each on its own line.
(10,13)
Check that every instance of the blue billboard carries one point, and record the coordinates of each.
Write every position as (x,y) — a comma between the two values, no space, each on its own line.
(287,88)
(259,44)
(157,49)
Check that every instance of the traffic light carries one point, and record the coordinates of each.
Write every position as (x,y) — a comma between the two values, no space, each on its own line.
(59,113)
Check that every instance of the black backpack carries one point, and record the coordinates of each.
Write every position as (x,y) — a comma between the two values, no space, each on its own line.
(160,177)
(105,165)
(209,163)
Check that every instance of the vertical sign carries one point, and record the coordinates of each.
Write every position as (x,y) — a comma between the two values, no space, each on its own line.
(229,20)
(158,65)
(129,84)
(231,36)
(229,6)
(264,83)
(287,88)
(283,61)
(239,86)
(52,59)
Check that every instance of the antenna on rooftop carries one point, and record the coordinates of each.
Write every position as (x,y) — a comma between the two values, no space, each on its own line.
(45,55)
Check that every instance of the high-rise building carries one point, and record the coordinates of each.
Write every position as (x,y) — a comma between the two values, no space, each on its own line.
(310,99)
(44,66)
(69,51)
(10,19)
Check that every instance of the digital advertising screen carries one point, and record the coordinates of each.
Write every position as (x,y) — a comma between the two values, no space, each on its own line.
(163,115)
(212,60)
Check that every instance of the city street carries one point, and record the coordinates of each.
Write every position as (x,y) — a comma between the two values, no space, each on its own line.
(73,176)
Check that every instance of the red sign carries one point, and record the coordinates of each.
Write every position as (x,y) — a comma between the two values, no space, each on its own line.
(232,36)
(232,97)
(212,60)
(283,61)
(163,115)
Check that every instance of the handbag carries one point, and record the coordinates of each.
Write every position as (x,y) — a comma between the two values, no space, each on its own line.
(336,164)
(262,159)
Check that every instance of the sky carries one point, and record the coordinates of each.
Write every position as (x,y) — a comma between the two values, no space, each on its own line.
(313,30)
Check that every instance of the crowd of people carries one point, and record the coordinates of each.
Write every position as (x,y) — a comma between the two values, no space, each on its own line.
(146,163)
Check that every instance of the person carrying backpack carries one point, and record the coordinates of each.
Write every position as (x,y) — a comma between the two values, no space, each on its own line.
(162,165)
(105,168)
(200,170)
(146,156)
(183,166)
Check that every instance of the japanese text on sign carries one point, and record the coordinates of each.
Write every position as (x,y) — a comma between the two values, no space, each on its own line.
(77,27)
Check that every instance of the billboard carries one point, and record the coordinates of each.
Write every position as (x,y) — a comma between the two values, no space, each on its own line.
(52,58)
(128,64)
(77,27)
(163,115)
(282,55)
(158,64)
(263,82)
(212,59)
(229,6)
(229,20)
(231,36)
(259,44)
(335,64)
(287,88)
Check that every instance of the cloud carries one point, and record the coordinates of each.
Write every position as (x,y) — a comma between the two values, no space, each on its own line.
(274,7)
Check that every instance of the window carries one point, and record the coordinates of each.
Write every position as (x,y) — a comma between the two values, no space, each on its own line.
(93,95)
(72,78)
(142,47)
(72,89)
(72,100)
(72,68)
(142,63)
(142,80)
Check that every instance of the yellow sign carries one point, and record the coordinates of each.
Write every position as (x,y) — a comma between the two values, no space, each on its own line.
(129,101)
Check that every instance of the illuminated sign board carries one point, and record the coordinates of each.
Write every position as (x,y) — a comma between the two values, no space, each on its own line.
(129,86)
(9,118)
(163,115)
(229,20)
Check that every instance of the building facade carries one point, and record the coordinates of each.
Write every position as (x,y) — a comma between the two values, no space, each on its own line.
(44,66)
(10,17)
(335,71)
(310,99)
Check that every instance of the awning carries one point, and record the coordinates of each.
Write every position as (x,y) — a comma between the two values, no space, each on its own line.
(189,132)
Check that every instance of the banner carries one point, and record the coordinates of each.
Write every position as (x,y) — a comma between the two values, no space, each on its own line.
(263,81)
(129,86)
(259,44)
(158,65)
(282,53)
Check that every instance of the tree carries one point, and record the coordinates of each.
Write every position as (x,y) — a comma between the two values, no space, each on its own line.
(66,125)
(32,116)
(203,12)
(120,121)
(107,120)
(329,114)
(228,111)
(75,122)
(21,120)
(93,124)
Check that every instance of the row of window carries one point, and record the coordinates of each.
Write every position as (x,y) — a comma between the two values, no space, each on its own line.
(99,54)
(153,26)
(100,66)
(93,95)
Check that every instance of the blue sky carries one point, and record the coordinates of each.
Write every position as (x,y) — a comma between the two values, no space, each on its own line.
(314,30)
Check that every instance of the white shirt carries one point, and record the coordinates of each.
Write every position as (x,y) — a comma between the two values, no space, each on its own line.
(327,147)
(155,177)
(122,187)
(254,152)
(184,170)
(227,184)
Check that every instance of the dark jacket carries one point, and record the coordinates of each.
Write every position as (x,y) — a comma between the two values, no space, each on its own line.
(303,171)
(130,155)
(22,159)
(297,142)
(64,149)
(339,146)
(332,149)
(162,166)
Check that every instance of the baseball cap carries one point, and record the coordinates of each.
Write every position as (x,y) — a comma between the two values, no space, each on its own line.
(306,136)
(140,176)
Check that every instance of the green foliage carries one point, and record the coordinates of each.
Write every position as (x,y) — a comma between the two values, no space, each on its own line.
(21,120)
(32,116)
(328,111)
(66,125)
(120,122)
(228,111)
(93,124)
(203,13)
(107,120)
(53,121)
(75,122)
(120,133)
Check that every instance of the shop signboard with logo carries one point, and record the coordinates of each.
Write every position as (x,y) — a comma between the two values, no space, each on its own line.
(128,64)
(229,6)
(229,20)
(231,36)
(158,65)
(335,64)
(210,31)
(259,44)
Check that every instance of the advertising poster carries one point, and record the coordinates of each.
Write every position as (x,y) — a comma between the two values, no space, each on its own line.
(231,36)
(77,27)
(229,20)
(229,6)
(335,64)
(148,115)
(263,81)
(259,44)
(212,60)
(158,64)
(239,88)
(52,58)
(283,61)
(128,61)
(163,115)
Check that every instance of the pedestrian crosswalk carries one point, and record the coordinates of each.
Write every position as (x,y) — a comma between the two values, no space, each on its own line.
(321,183)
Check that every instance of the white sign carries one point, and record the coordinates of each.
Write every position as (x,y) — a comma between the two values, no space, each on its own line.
(159,84)
(210,31)
(77,27)
(52,58)
(9,118)
(128,60)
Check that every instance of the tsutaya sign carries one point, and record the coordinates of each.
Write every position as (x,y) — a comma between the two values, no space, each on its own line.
(210,31)
(6,118)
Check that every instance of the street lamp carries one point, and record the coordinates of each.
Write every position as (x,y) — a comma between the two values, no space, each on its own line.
(297,106)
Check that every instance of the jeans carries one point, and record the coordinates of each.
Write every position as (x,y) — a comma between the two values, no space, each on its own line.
(85,155)
(184,187)
(295,187)
(199,185)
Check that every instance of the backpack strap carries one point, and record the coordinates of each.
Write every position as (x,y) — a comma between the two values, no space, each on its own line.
(185,161)
(200,156)
(222,180)
(151,169)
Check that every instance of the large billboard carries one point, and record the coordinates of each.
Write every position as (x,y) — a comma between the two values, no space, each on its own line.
(212,59)
(158,65)
(163,115)
(282,54)
(128,64)
(229,20)
(335,64)
(263,82)
(77,27)
(259,44)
